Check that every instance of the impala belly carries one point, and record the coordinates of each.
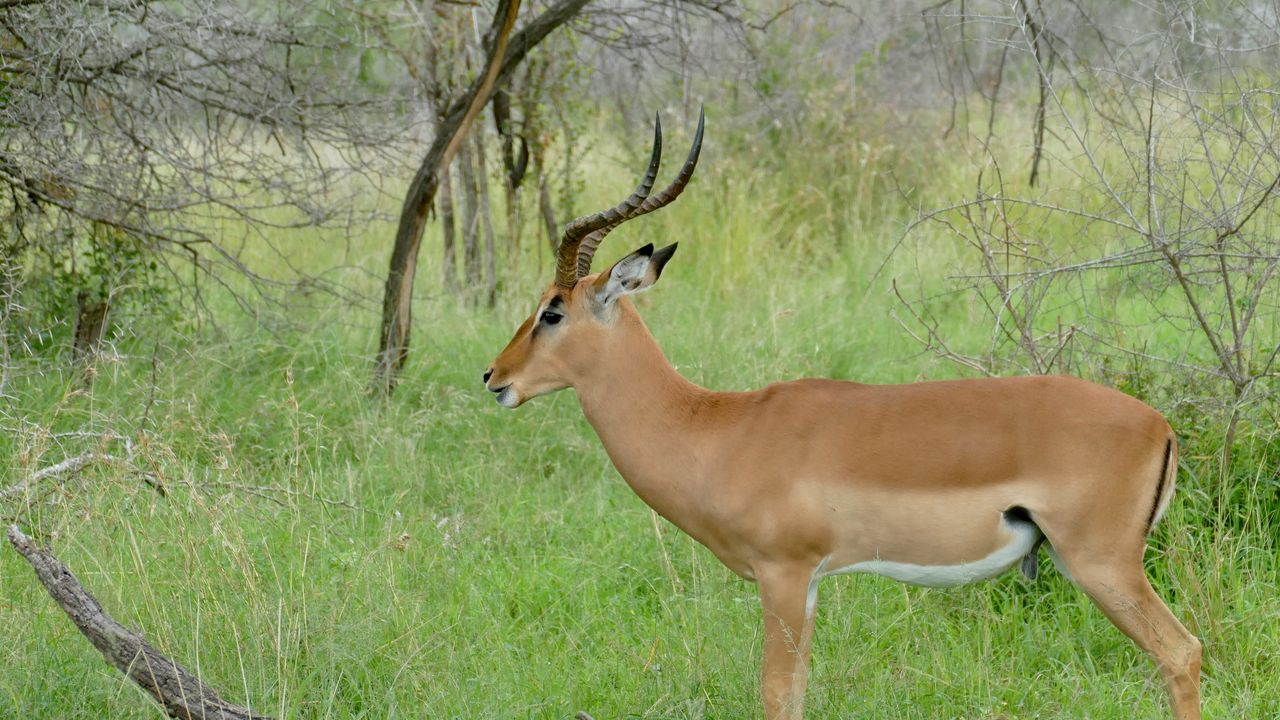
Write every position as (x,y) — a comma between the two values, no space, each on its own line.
(962,537)
(1019,538)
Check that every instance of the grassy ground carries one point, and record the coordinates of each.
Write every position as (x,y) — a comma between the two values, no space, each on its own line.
(321,554)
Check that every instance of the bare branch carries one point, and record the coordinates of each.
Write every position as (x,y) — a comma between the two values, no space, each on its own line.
(70,466)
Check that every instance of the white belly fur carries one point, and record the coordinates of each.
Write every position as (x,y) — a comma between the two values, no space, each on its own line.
(1025,537)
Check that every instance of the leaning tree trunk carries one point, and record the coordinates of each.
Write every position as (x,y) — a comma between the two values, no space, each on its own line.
(176,689)
(397,299)
(393,345)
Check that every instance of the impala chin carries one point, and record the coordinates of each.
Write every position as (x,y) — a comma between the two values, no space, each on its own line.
(509,398)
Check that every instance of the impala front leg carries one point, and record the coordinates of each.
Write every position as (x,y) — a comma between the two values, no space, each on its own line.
(788,595)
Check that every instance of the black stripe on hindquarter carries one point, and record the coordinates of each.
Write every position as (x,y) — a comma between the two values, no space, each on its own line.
(1164,473)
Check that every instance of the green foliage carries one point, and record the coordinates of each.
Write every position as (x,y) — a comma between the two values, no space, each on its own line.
(79,264)
(495,566)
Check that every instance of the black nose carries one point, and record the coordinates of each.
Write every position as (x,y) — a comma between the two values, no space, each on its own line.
(488,374)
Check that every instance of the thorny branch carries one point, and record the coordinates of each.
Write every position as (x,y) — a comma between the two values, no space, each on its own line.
(168,124)
(1170,164)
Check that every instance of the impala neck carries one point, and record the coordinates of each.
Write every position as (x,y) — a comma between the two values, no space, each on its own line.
(646,414)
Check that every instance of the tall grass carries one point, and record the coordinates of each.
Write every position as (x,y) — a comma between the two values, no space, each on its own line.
(322,554)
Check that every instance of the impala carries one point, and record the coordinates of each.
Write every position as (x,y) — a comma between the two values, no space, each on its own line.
(932,483)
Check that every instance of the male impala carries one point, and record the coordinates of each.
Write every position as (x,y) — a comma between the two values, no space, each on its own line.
(937,483)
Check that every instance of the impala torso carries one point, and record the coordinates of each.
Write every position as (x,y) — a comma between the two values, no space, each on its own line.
(937,483)
(852,475)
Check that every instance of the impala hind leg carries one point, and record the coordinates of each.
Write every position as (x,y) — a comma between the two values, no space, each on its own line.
(1126,597)
(788,596)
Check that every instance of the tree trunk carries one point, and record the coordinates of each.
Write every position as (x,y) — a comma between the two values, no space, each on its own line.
(91,319)
(448,231)
(486,222)
(470,219)
(548,214)
(393,348)
(512,199)
(513,173)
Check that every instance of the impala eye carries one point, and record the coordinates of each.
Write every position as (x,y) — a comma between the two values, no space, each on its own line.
(551,318)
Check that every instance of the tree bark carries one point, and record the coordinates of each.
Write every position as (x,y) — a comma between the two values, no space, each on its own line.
(486,223)
(91,319)
(393,349)
(470,219)
(513,167)
(448,231)
(548,215)
(512,198)
(512,176)
(180,693)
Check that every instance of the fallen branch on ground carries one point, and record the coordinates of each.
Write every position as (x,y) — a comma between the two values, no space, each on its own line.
(70,466)
(181,694)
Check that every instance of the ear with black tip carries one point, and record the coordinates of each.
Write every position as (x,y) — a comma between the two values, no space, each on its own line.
(660,259)
(632,274)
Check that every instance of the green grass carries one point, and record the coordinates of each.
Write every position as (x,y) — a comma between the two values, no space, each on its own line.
(437,556)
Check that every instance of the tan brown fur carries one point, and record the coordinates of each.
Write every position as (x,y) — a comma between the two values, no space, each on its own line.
(801,478)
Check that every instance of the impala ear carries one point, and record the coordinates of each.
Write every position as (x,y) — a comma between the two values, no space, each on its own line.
(632,274)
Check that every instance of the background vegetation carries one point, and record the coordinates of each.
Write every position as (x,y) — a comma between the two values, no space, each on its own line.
(863,210)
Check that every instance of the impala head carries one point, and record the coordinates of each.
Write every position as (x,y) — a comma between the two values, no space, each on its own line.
(580,312)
